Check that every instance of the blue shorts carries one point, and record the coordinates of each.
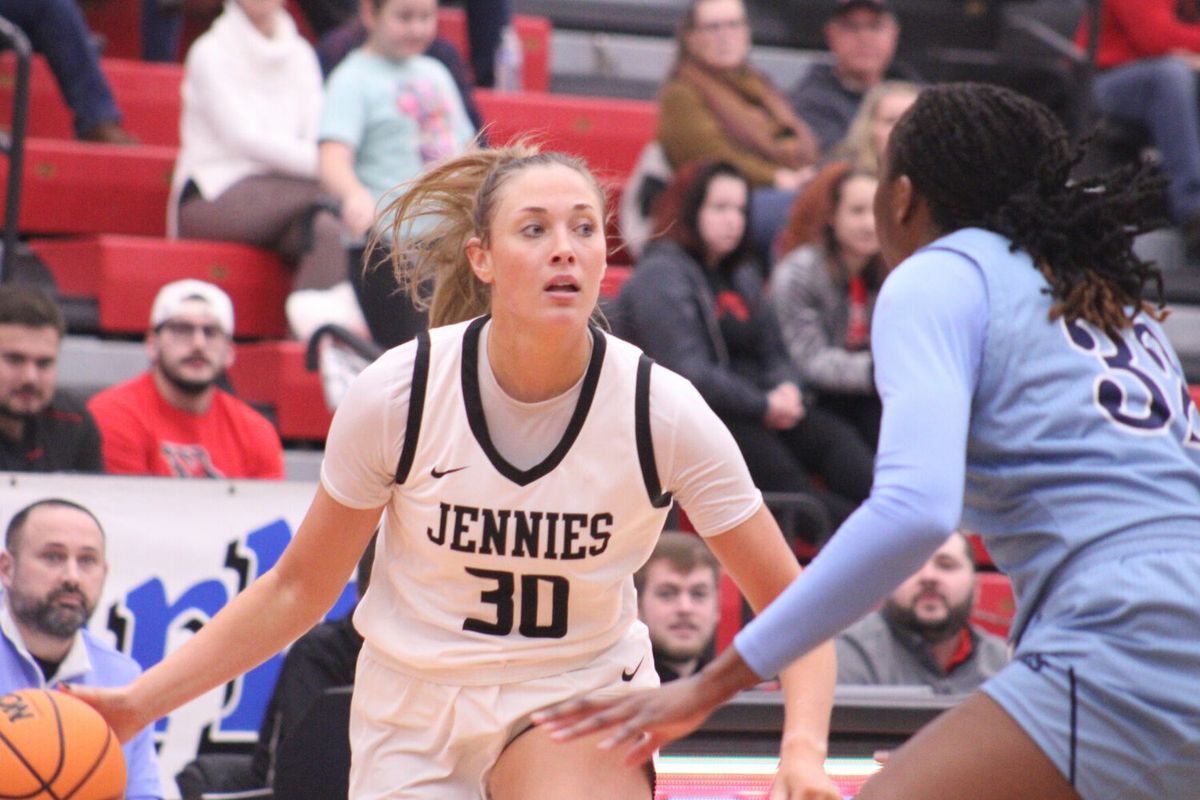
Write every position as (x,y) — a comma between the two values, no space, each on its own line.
(1105,677)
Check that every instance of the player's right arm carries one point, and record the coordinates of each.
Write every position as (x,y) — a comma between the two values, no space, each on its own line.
(265,618)
(356,482)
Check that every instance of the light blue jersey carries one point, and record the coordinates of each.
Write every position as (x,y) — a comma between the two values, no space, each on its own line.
(1062,442)
(1074,439)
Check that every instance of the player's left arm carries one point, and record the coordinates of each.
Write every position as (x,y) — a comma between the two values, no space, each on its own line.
(758,559)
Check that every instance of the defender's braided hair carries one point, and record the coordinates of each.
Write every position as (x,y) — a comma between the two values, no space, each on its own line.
(983,156)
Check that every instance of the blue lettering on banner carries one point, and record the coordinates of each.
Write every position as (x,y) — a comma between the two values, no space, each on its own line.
(145,618)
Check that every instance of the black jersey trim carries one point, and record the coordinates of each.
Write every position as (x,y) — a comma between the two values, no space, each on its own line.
(416,407)
(474,404)
(645,441)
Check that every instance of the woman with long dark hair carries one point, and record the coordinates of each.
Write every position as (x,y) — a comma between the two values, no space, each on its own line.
(695,304)
(1026,381)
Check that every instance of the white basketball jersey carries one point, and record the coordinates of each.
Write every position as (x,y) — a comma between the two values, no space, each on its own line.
(488,573)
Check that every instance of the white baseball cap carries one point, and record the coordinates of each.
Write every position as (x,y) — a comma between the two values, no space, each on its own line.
(171,296)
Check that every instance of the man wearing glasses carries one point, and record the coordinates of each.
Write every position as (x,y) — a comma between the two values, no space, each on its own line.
(174,419)
(862,37)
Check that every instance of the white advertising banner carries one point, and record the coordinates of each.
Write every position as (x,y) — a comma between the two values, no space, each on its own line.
(178,550)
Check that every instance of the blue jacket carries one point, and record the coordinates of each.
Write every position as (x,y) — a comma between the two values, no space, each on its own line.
(90,662)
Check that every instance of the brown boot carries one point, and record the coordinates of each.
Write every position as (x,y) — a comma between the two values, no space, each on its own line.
(109,133)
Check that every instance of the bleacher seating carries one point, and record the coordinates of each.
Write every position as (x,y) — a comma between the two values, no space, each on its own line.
(123,273)
(608,133)
(147,94)
(994,603)
(533,31)
(271,375)
(118,22)
(81,188)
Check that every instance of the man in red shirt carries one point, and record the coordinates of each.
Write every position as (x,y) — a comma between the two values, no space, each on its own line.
(1147,55)
(173,419)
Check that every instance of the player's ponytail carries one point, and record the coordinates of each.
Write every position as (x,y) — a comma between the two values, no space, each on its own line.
(984,156)
(447,206)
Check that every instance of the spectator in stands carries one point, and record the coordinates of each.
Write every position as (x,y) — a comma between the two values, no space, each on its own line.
(678,601)
(862,37)
(716,106)
(173,419)
(1147,56)
(352,34)
(52,569)
(41,430)
(880,110)
(321,659)
(486,20)
(162,23)
(694,304)
(57,30)
(247,165)
(823,291)
(922,635)
(324,16)
(390,111)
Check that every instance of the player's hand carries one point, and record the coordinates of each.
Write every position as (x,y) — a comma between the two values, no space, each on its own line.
(640,722)
(114,705)
(358,212)
(803,777)
(784,408)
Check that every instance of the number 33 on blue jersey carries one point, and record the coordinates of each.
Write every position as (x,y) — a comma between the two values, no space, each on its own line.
(1140,388)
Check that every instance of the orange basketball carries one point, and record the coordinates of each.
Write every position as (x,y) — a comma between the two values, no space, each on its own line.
(56,747)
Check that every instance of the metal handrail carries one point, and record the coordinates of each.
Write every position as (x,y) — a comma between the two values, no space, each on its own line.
(13,145)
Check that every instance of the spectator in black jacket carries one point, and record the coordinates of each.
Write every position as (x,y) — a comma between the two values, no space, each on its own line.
(695,304)
(40,430)
(862,36)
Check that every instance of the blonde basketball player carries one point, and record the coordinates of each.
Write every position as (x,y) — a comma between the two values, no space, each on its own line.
(523,462)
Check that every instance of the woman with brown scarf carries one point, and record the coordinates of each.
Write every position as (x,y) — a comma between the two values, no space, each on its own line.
(716,106)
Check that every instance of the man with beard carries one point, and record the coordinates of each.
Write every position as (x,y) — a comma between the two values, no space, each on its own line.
(678,602)
(52,569)
(40,431)
(921,636)
(174,419)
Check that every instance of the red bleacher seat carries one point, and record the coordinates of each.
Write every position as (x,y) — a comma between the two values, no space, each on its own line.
(731,612)
(147,94)
(273,374)
(123,274)
(81,187)
(119,23)
(1195,390)
(994,603)
(614,277)
(608,133)
(534,33)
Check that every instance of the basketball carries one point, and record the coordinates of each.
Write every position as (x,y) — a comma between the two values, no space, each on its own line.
(56,747)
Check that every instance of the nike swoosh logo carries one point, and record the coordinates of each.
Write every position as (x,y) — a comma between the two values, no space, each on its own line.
(627,676)
(437,473)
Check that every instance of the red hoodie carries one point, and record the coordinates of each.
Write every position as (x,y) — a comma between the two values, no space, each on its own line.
(1136,29)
